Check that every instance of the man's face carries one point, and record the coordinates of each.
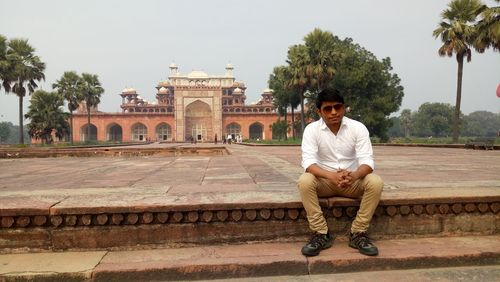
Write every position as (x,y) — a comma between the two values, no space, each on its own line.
(332,113)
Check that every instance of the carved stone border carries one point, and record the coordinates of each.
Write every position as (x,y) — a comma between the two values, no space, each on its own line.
(235,215)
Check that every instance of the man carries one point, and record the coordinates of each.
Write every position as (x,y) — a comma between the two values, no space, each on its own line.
(337,157)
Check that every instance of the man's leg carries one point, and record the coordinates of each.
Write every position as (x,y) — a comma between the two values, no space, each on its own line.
(369,189)
(310,189)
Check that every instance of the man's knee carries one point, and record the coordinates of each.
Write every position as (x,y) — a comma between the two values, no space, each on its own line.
(374,183)
(306,181)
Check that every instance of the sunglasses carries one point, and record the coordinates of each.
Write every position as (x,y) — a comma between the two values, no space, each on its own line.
(337,108)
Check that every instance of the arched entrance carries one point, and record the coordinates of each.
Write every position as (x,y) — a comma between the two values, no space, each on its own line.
(234,129)
(163,132)
(114,133)
(256,130)
(198,122)
(84,133)
(139,132)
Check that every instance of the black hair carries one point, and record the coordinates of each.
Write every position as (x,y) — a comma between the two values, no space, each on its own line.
(328,95)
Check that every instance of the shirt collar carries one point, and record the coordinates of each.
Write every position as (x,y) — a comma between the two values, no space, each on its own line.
(323,126)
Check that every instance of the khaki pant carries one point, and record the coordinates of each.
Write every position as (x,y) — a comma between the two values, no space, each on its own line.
(368,189)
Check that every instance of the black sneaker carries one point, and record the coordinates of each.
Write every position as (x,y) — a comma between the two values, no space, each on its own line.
(317,243)
(361,242)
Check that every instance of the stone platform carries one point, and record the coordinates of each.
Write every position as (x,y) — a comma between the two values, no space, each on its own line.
(246,194)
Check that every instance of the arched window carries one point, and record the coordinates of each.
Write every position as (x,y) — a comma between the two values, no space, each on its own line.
(163,132)
(256,130)
(114,133)
(139,132)
(84,133)
(234,129)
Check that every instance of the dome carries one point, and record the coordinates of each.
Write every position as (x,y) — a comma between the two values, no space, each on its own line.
(229,66)
(237,91)
(173,65)
(164,83)
(129,91)
(163,90)
(198,74)
(267,90)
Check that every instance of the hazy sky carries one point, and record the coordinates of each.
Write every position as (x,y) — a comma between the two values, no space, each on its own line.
(132,43)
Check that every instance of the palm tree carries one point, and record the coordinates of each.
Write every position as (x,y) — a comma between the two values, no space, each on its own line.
(21,71)
(69,86)
(3,59)
(297,60)
(320,68)
(91,90)
(457,33)
(46,116)
(488,29)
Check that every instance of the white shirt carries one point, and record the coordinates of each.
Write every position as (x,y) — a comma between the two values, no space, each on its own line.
(349,149)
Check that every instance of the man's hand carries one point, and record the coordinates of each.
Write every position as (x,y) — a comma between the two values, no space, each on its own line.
(341,178)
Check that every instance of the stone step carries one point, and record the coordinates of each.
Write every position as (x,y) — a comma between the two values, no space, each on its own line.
(248,260)
(129,218)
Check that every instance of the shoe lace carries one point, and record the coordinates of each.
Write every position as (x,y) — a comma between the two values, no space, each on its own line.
(362,240)
(317,240)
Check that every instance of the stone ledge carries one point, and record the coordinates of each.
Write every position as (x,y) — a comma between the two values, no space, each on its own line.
(247,260)
(121,226)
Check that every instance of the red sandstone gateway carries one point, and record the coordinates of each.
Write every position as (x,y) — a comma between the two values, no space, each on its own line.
(194,106)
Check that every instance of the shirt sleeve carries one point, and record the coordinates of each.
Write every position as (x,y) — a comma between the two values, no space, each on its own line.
(364,150)
(309,147)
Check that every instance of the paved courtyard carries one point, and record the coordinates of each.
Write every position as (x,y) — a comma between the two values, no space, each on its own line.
(247,171)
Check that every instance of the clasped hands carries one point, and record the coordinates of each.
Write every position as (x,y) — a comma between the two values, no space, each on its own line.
(343,178)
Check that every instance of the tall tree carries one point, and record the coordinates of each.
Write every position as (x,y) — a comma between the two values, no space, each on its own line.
(370,89)
(46,116)
(91,90)
(21,70)
(433,119)
(70,87)
(406,122)
(297,60)
(284,95)
(488,29)
(457,32)
(320,67)
(3,60)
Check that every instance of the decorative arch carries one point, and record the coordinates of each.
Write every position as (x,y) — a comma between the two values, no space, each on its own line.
(234,129)
(114,132)
(256,130)
(139,132)
(198,120)
(84,133)
(163,132)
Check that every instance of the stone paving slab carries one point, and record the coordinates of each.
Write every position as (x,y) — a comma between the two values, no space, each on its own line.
(257,171)
(247,260)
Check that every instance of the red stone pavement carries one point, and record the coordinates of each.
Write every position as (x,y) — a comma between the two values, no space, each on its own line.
(247,174)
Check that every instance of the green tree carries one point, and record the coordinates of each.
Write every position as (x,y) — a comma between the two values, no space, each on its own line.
(20,71)
(395,130)
(70,87)
(482,124)
(3,61)
(284,95)
(368,85)
(5,131)
(406,122)
(91,90)
(433,119)
(297,60)
(320,67)
(312,65)
(279,129)
(46,116)
(488,29)
(457,32)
